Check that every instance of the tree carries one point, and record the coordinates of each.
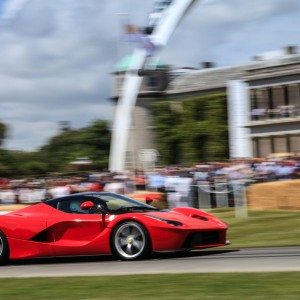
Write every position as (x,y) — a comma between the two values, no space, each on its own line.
(194,131)
(64,126)
(92,141)
(204,131)
(166,121)
(3,132)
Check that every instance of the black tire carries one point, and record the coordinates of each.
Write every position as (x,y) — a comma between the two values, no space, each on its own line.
(4,249)
(130,241)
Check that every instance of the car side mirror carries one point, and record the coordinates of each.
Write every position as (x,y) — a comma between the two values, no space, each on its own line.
(148,199)
(87,205)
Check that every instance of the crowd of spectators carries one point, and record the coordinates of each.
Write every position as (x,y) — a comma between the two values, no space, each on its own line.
(169,180)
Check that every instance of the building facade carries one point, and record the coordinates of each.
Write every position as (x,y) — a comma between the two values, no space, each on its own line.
(263,100)
(275,106)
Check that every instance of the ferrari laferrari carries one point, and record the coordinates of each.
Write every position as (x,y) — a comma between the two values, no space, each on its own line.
(96,223)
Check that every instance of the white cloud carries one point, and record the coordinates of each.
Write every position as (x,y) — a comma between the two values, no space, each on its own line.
(56,56)
(12,7)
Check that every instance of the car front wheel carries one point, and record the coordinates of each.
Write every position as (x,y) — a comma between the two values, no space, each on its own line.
(130,241)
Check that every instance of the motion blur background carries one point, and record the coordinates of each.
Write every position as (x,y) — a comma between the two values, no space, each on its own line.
(216,126)
(222,104)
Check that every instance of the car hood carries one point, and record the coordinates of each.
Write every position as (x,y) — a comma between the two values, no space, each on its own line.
(196,220)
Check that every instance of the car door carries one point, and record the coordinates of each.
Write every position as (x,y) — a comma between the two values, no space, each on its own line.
(76,231)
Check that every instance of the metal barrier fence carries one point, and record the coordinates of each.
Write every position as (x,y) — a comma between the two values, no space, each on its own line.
(208,195)
(223,194)
(205,195)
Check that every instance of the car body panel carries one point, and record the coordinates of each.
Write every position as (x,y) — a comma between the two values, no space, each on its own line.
(41,230)
(26,222)
(76,233)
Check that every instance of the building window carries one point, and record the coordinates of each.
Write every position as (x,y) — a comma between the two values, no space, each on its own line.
(264,147)
(153,82)
(253,104)
(278,96)
(294,99)
(259,104)
(295,143)
(255,147)
(280,144)
(276,100)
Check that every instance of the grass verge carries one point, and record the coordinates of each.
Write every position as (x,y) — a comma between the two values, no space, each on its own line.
(262,228)
(184,286)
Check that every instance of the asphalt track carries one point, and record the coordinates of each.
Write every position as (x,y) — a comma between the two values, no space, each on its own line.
(205,261)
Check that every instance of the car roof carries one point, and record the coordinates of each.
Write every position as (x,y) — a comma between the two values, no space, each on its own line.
(72,196)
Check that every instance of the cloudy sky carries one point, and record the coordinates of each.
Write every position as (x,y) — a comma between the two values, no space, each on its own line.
(56,56)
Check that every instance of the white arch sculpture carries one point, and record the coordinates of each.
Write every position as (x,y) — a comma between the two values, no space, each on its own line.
(164,28)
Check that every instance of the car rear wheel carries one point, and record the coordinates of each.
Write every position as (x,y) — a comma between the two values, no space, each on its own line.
(130,241)
(3,249)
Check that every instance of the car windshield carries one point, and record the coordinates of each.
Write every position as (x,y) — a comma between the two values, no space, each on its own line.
(116,204)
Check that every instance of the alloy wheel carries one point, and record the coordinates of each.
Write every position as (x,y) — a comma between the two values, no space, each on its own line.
(130,240)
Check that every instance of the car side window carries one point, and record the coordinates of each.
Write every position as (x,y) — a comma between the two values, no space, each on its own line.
(72,205)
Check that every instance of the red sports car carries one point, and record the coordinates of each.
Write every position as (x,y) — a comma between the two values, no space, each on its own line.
(104,223)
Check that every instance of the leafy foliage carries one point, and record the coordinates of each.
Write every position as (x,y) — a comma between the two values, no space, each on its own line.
(92,142)
(3,132)
(197,129)
(168,139)
(187,131)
